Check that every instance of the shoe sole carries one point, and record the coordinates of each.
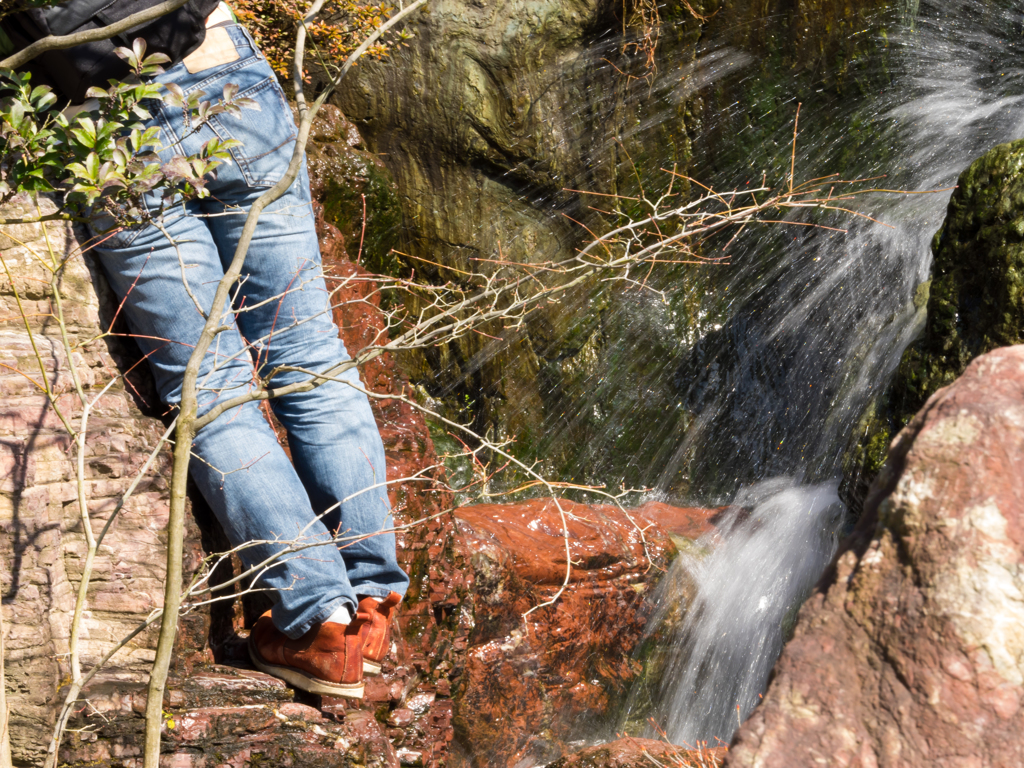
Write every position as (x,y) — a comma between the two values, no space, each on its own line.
(305,681)
(371,667)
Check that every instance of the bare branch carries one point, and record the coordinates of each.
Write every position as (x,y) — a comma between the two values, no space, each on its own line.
(186,427)
(60,42)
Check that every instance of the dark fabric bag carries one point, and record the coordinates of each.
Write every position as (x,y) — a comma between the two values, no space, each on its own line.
(73,71)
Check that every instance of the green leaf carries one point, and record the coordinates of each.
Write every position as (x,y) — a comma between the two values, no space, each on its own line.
(45,101)
(16,114)
(38,92)
(92,166)
(157,58)
(127,55)
(175,96)
(139,49)
(84,137)
(107,130)
(151,137)
(88,124)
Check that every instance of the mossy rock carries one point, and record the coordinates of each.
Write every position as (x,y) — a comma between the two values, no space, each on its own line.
(976,303)
(356,191)
(673,599)
(343,203)
(975,298)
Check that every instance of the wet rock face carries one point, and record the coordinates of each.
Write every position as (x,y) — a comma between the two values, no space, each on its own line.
(488,119)
(564,672)
(909,653)
(497,111)
(975,298)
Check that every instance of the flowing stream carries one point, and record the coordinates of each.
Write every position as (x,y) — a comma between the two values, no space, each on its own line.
(746,590)
(807,340)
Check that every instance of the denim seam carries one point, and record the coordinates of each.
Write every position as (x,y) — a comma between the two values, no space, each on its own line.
(252,42)
(224,71)
(371,591)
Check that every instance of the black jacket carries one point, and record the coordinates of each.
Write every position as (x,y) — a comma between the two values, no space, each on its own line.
(73,71)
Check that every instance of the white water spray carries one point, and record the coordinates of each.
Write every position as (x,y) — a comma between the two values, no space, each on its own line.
(832,320)
(769,550)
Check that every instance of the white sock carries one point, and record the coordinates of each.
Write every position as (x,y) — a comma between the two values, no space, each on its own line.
(340,616)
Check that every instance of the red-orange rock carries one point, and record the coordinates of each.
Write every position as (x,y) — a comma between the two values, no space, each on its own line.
(911,651)
(530,684)
(601,537)
(638,753)
(690,522)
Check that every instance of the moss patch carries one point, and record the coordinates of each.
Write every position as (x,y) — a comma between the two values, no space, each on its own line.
(343,207)
(975,298)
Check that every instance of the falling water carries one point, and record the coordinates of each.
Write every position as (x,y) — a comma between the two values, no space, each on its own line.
(745,591)
(808,338)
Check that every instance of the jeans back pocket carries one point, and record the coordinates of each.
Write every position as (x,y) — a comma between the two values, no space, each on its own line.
(267,135)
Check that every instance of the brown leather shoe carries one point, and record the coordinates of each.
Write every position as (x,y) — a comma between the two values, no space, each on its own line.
(326,660)
(376,632)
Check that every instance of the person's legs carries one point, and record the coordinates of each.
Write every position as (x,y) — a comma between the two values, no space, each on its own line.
(284,311)
(239,466)
(334,440)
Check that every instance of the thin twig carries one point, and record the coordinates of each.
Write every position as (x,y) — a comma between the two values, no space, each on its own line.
(60,42)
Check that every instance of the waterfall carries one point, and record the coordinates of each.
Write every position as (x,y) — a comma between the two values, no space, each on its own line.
(770,549)
(811,336)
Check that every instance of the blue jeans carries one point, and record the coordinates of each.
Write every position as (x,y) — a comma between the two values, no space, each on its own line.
(281,317)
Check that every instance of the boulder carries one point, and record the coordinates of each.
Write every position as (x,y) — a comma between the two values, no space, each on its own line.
(909,653)
(974,300)
(536,679)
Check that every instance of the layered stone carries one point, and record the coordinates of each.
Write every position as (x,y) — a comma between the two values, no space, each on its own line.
(539,676)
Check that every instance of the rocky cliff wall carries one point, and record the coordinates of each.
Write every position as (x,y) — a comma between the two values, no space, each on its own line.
(488,120)
(495,116)
(43,544)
